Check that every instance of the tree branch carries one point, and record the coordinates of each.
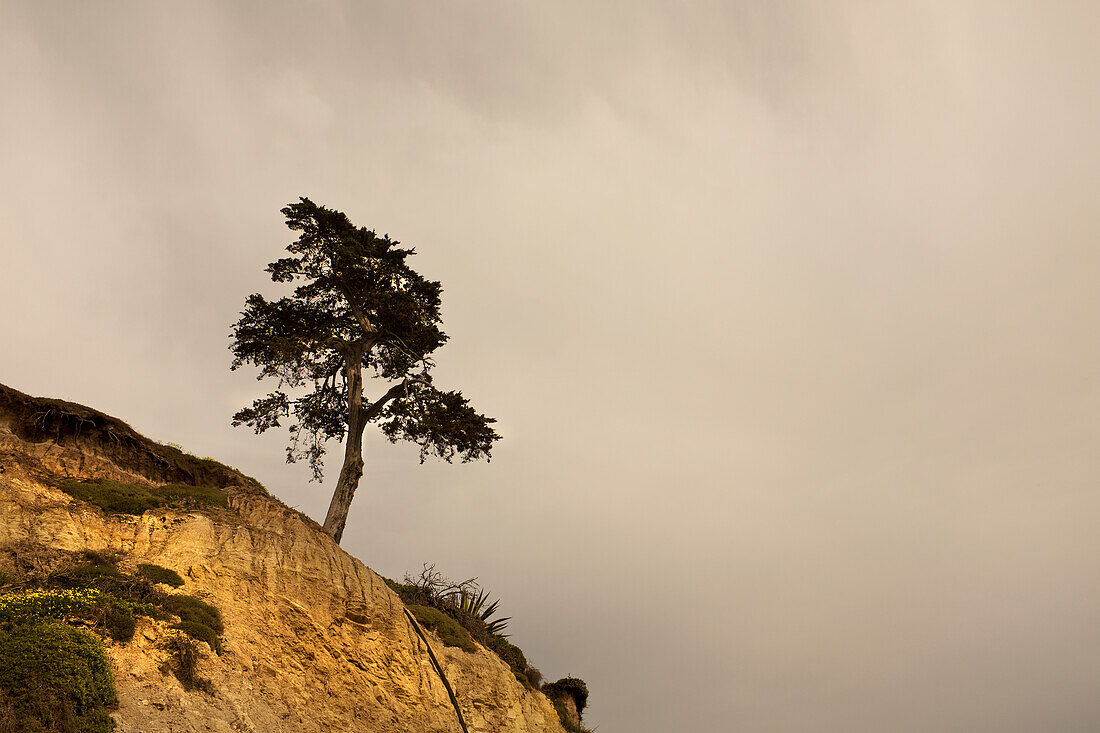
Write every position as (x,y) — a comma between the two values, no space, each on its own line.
(338,345)
(371,411)
(359,314)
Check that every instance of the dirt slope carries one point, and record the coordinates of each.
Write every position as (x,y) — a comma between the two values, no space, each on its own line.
(314,640)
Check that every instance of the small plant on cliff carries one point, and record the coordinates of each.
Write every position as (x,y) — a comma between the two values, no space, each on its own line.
(200,632)
(576,690)
(195,611)
(358,306)
(475,604)
(123,498)
(534,676)
(158,574)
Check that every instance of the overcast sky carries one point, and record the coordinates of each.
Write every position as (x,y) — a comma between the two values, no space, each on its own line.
(788,312)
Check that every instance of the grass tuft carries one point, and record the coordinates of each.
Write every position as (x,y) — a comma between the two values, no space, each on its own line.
(446,628)
(123,498)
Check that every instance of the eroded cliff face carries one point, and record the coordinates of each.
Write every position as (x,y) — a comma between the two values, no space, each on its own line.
(314,640)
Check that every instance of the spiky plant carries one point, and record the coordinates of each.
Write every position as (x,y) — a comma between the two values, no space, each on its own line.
(476,605)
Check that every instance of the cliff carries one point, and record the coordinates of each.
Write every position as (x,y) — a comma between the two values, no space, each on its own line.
(313,639)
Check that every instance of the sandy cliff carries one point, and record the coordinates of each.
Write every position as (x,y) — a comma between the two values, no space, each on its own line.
(314,640)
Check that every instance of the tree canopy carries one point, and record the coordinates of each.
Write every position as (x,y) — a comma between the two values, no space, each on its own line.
(357,306)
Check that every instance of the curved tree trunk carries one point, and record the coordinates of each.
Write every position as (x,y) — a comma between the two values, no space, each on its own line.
(352,469)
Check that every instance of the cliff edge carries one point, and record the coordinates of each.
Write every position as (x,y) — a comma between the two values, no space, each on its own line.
(313,639)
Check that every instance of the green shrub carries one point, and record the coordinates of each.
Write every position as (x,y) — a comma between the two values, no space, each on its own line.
(123,498)
(467,604)
(189,608)
(511,654)
(56,677)
(100,557)
(101,573)
(572,686)
(119,620)
(93,571)
(158,574)
(113,496)
(409,593)
(202,632)
(445,627)
(193,495)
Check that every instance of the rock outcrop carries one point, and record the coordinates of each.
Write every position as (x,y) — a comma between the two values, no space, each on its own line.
(314,640)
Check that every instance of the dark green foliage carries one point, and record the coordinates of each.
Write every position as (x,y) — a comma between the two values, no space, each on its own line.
(101,593)
(189,608)
(357,305)
(100,557)
(183,663)
(119,621)
(445,627)
(443,424)
(192,496)
(511,654)
(113,496)
(101,573)
(158,574)
(396,587)
(124,498)
(202,632)
(572,686)
(55,678)
(534,676)
(94,572)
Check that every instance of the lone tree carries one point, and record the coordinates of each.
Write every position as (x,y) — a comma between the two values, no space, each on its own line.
(357,307)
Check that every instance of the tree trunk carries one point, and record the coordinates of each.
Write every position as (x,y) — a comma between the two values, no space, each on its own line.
(352,469)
